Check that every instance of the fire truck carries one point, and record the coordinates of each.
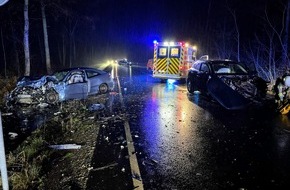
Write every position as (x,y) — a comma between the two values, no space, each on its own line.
(172,59)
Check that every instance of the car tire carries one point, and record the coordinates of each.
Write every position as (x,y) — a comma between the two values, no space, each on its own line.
(190,85)
(103,88)
(52,97)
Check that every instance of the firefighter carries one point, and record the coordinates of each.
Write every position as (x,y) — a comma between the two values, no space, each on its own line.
(281,94)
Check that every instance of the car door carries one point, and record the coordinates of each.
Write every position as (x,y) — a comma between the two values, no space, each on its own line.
(94,80)
(202,77)
(76,86)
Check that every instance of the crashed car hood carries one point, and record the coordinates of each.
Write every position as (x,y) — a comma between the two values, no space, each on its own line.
(225,95)
(35,83)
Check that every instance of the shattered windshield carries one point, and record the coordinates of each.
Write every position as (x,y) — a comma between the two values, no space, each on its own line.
(60,75)
(228,68)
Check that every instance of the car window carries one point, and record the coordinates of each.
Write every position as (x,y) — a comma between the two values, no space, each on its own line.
(228,67)
(60,75)
(91,73)
(237,68)
(76,77)
(204,68)
(196,66)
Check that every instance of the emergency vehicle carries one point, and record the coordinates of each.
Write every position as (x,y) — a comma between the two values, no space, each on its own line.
(172,59)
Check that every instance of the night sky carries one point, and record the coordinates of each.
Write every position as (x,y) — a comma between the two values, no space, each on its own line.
(110,29)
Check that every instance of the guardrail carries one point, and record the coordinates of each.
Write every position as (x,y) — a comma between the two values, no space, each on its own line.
(4,175)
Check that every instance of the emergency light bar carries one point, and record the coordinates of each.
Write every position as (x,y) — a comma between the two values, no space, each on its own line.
(174,44)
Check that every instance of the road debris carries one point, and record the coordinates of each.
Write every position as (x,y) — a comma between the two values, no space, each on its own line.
(65,146)
(105,167)
(96,107)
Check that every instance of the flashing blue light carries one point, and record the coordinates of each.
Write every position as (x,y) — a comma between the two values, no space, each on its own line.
(171,81)
(155,41)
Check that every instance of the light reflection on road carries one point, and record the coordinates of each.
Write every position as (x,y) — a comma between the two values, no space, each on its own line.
(170,127)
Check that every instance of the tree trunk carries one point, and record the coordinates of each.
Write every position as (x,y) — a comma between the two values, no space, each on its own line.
(26,39)
(63,51)
(4,55)
(238,35)
(15,50)
(286,36)
(45,35)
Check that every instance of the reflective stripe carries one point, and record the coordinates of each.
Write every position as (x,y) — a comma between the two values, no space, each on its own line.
(161,64)
(173,67)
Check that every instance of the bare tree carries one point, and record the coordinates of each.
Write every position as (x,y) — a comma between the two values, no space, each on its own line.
(223,44)
(285,56)
(4,55)
(26,39)
(46,45)
(233,13)
(283,39)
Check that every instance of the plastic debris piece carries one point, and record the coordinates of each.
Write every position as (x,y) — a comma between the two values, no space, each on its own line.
(7,114)
(12,135)
(65,146)
(107,166)
(95,107)
(57,113)
(42,105)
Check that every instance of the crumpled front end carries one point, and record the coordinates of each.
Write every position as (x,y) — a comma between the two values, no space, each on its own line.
(236,92)
(250,88)
(32,92)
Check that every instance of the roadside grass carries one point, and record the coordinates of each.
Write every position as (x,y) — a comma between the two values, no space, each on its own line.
(6,85)
(29,163)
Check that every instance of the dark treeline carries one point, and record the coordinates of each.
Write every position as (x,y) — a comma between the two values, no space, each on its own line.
(86,32)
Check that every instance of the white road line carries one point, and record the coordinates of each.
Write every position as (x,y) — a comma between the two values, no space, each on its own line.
(135,171)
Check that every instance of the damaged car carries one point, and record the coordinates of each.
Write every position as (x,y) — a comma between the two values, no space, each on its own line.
(229,83)
(72,83)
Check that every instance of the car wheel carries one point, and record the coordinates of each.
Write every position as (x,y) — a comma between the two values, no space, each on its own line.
(103,88)
(52,97)
(190,85)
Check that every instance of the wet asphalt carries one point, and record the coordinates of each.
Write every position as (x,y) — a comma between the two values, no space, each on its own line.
(187,141)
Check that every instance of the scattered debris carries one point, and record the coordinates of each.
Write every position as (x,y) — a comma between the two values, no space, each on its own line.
(65,146)
(57,113)
(6,114)
(96,107)
(106,167)
(43,105)
(136,176)
(12,135)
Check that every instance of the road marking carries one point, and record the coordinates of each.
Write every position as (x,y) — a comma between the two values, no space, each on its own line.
(135,171)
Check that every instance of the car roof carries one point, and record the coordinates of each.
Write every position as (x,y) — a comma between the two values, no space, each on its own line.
(81,68)
(213,61)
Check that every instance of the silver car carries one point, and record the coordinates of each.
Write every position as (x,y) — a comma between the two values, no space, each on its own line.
(72,83)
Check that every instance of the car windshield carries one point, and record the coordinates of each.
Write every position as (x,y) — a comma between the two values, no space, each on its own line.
(228,68)
(60,75)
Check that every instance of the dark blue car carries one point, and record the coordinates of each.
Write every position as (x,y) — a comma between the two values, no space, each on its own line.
(228,82)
